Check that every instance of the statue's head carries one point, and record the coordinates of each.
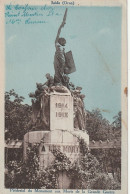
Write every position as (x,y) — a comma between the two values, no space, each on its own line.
(39,85)
(82,96)
(77,92)
(79,88)
(72,84)
(47,75)
(62,41)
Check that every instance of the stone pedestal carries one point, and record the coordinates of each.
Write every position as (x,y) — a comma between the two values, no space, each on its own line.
(61,111)
(61,135)
(64,141)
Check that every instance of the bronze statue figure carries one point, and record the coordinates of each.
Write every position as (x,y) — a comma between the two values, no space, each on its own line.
(59,58)
(63,62)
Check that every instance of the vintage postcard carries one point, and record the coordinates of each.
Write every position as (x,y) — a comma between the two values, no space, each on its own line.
(63,96)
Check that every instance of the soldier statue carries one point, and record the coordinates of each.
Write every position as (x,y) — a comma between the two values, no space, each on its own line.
(63,62)
(59,58)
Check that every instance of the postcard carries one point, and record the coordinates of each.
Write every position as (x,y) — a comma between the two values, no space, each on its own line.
(63,96)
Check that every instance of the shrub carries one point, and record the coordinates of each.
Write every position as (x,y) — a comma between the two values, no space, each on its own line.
(104,181)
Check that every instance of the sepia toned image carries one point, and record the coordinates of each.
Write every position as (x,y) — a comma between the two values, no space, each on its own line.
(64,111)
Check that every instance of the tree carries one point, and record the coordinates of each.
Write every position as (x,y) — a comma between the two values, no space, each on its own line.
(24,174)
(98,127)
(117,121)
(104,182)
(116,126)
(17,116)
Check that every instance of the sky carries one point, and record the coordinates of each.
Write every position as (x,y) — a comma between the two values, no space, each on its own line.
(93,34)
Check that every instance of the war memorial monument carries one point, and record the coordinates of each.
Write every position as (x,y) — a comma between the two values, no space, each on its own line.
(58,117)
(56,144)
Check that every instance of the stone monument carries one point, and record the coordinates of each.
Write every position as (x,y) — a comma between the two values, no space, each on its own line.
(58,118)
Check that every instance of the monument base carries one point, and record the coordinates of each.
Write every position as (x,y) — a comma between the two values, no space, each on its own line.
(65,141)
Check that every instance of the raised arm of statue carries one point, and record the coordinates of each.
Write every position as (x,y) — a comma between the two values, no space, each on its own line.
(61,26)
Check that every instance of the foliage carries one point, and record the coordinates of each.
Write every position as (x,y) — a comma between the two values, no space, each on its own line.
(117,121)
(104,181)
(116,126)
(79,172)
(100,129)
(110,161)
(17,116)
(24,174)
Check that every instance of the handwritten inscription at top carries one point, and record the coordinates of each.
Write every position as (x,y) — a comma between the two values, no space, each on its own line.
(26,14)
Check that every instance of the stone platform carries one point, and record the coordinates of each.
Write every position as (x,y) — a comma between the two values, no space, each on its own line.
(64,141)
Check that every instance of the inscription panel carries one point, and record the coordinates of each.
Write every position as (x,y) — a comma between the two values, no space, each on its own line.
(61,112)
